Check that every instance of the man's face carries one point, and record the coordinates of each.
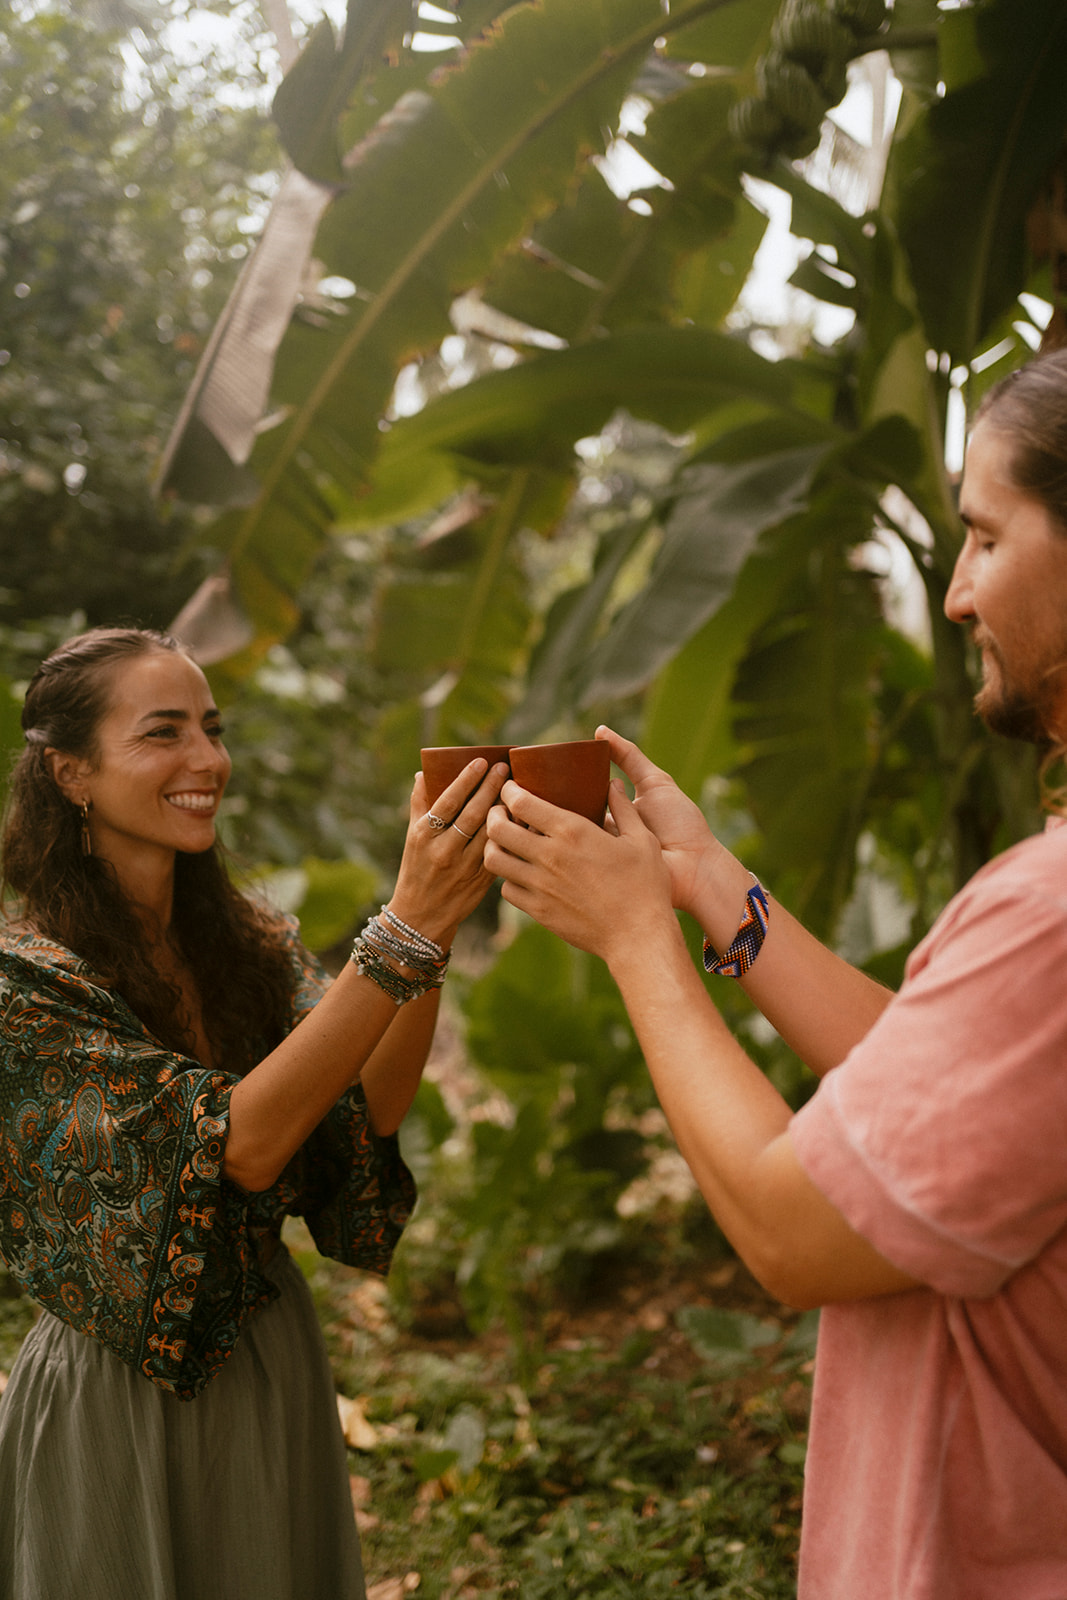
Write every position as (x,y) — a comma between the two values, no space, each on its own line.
(1010,587)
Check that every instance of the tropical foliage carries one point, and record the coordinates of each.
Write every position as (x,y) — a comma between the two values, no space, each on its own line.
(486,443)
(730,605)
(525,400)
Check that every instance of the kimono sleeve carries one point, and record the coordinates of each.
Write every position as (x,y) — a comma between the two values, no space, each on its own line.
(112,1202)
(359,1194)
(356,1194)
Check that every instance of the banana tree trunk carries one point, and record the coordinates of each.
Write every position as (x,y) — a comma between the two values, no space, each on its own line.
(276,15)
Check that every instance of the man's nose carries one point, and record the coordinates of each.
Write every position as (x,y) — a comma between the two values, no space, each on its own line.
(959,599)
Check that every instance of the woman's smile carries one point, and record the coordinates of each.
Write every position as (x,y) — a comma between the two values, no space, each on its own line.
(204,800)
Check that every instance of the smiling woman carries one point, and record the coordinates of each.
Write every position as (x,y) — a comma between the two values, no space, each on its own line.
(175,1078)
(157,775)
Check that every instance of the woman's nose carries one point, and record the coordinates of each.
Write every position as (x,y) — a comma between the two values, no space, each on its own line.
(210,755)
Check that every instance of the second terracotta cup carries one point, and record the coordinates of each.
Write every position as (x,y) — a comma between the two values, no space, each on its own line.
(574,775)
(442,763)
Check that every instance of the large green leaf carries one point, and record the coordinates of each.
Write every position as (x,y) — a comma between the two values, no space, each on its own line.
(596,264)
(542,1009)
(677,378)
(688,716)
(533,413)
(216,428)
(710,531)
(318,91)
(482,149)
(803,719)
(462,623)
(968,170)
(215,431)
(554,678)
(732,37)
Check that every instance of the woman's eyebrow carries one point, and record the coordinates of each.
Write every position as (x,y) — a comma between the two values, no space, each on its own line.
(178,714)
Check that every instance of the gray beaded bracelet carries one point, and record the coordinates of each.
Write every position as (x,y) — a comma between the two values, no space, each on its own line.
(377,947)
(370,965)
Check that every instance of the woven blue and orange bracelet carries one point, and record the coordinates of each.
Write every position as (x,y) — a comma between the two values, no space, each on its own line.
(748,941)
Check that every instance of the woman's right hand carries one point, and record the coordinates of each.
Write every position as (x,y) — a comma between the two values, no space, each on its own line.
(442,875)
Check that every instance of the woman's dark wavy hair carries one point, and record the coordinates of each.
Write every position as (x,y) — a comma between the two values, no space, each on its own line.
(234,948)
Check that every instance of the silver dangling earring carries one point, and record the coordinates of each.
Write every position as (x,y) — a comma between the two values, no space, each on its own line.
(87,838)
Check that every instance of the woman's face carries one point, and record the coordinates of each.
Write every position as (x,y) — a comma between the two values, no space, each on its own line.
(160,766)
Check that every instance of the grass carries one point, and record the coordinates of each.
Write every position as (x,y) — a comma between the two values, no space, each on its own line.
(655,1448)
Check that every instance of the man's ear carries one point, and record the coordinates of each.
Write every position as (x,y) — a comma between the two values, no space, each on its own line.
(69,773)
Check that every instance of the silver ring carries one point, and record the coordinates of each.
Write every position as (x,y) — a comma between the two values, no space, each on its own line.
(457,829)
(435,821)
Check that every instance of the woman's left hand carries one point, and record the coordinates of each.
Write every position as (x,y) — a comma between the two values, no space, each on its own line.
(591,885)
(442,874)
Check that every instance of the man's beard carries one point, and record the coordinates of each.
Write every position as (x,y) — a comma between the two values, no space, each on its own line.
(1013,715)
(1016,712)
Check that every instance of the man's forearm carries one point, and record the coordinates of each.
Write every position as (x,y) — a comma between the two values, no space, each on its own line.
(819,1004)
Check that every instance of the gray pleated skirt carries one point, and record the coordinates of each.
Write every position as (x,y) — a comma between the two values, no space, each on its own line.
(111,1489)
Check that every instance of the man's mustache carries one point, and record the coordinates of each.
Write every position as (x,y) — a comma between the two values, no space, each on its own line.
(982,639)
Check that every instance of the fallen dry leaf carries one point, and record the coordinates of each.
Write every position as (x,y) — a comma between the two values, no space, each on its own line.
(394,1588)
(369,1303)
(357,1430)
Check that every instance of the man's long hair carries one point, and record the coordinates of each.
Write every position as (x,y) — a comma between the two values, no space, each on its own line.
(233,948)
(1030,406)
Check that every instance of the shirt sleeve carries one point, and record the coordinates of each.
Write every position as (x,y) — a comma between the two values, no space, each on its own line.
(112,1201)
(941,1137)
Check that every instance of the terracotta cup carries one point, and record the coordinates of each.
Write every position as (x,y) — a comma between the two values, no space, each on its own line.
(441,763)
(574,775)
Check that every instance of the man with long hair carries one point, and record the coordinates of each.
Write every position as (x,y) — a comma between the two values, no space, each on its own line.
(920,1196)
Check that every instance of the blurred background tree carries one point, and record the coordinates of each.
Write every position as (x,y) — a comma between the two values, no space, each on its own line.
(130,194)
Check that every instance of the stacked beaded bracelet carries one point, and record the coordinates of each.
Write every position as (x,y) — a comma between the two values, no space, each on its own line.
(748,941)
(386,940)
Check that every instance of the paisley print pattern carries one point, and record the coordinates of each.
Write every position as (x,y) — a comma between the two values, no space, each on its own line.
(114,1213)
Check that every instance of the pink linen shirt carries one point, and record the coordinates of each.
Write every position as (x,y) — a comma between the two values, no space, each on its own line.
(937,1460)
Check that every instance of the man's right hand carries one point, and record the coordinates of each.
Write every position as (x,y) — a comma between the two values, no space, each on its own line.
(703,873)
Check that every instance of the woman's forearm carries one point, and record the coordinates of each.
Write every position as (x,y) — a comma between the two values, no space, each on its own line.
(356,1031)
(285,1097)
(394,1069)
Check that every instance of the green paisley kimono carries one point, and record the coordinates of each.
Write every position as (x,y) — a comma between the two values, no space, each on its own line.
(114,1215)
(224,1476)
